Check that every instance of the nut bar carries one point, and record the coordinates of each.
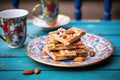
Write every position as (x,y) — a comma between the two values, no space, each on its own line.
(56,55)
(66,54)
(74,52)
(82,52)
(67,36)
(52,44)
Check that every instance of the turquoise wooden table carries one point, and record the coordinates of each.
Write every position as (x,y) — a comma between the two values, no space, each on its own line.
(14,61)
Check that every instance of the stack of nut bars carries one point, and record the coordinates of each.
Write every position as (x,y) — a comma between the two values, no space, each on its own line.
(65,44)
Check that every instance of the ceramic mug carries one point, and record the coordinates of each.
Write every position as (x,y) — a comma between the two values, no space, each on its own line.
(49,11)
(13,24)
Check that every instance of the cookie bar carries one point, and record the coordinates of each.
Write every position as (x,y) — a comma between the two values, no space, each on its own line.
(52,44)
(56,55)
(82,52)
(67,36)
(66,54)
(74,52)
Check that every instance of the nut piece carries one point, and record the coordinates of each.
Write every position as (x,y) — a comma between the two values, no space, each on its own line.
(26,72)
(37,70)
(55,41)
(64,36)
(79,59)
(92,53)
(69,32)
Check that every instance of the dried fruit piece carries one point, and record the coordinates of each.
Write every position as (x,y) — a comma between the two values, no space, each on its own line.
(37,70)
(79,59)
(26,72)
(92,53)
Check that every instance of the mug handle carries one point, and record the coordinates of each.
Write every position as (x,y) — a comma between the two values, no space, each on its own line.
(1,35)
(34,9)
(2,38)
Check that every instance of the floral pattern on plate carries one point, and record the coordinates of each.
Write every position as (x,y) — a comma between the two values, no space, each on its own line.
(102,47)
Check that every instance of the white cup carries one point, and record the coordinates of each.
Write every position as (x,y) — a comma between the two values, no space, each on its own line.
(13,24)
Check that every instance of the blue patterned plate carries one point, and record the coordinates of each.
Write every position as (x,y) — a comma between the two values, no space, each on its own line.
(102,47)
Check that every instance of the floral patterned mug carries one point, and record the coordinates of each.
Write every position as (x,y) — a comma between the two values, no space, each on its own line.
(49,11)
(13,24)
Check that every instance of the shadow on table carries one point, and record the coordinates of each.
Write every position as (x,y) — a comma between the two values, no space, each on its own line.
(99,66)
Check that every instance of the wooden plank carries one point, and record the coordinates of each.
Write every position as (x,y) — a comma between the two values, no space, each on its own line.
(62,75)
(97,27)
(5,51)
(14,61)
(35,30)
(116,51)
(113,39)
(8,52)
(27,63)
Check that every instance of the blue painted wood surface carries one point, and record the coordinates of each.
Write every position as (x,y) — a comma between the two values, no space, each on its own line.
(14,61)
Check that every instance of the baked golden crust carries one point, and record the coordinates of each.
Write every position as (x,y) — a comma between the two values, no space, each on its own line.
(52,44)
(56,54)
(65,44)
(66,54)
(67,36)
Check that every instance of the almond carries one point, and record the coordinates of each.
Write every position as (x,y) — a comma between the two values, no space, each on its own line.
(92,53)
(26,72)
(55,41)
(69,32)
(64,36)
(79,59)
(37,70)
(82,33)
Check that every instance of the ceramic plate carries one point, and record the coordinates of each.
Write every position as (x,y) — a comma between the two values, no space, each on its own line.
(102,47)
(61,21)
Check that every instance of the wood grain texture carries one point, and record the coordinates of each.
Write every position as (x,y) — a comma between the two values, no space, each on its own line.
(14,61)
(5,51)
(64,75)
(27,63)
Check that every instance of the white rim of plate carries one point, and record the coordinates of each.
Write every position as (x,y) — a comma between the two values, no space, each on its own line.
(67,65)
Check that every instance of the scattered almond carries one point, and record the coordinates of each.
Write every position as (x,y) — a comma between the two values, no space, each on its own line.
(26,72)
(92,53)
(82,33)
(79,59)
(37,70)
